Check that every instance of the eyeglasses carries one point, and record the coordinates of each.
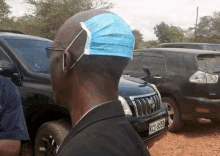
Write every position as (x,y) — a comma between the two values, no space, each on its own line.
(50,49)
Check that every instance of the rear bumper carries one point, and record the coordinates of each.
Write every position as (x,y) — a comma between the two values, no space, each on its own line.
(200,107)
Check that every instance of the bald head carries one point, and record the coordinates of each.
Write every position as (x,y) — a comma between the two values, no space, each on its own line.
(71,28)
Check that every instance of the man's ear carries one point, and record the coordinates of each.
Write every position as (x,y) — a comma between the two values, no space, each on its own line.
(67,61)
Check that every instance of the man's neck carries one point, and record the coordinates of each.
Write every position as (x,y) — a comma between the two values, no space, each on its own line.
(83,101)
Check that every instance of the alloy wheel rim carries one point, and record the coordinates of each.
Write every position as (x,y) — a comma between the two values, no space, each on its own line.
(170,111)
(48,146)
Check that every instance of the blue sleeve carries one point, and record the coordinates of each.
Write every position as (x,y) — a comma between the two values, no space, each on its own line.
(12,121)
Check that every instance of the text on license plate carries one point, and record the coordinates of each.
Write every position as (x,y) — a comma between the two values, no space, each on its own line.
(156,126)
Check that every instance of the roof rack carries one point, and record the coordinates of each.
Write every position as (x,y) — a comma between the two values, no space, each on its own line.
(11,31)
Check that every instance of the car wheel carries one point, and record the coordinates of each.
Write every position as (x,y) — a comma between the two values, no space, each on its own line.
(50,136)
(26,149)
(174,118)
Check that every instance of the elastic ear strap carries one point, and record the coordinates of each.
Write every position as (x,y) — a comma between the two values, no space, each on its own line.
(73,40)
(66,53)
(76,61)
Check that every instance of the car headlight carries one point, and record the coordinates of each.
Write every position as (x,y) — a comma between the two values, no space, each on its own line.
(125,106)
(155,88)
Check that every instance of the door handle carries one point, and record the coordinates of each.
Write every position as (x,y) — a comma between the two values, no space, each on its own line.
(157,77)
(127,75)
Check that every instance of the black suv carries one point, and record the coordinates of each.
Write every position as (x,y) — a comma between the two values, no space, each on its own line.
(25,60)
(189,45)
(187,79)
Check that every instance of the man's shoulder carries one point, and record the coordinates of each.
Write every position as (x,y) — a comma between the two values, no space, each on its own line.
(116,136)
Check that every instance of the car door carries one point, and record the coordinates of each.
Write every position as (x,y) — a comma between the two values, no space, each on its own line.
(156,66)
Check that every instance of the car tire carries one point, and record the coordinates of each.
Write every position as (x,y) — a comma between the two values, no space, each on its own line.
(27,149)
(174,117)
(50,136)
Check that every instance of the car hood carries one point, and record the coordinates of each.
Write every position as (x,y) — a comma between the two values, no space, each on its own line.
(133,87)
(128,86)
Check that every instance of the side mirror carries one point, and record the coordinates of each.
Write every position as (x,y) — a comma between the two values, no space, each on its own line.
(146,70)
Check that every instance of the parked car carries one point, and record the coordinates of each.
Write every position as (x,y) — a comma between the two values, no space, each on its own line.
(25,60)
(190,45)
(187,79)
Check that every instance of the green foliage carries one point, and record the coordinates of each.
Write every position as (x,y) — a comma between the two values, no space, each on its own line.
(138,38)
(175,34)
(161,31)
(49,15)
(4,9)
(166,33)
(208,29)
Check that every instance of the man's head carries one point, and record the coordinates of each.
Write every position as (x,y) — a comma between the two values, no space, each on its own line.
(93,48)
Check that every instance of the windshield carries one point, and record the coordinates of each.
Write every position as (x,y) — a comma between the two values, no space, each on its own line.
(33,52)
(212,47)
(210,64)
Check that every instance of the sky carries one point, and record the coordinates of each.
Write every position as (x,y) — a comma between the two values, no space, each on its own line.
(143,15)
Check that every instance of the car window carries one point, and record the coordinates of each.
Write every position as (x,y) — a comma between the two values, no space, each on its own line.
(4,60)
(212,47)
(154,63)
(148,61)
(33,53)
(208,63)
(179,46)
(167,46)
(160,64)
(193,46)
(132,63)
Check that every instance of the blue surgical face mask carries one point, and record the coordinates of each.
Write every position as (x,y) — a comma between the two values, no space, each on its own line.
(108,35)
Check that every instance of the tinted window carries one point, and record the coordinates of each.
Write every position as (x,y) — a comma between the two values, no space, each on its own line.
(33,52)
(160,64)
(153,63)
(179,46)
(167,46)
(148,61)
(4,60)
(132,63)
(209,63)
(193,47)
(212,47)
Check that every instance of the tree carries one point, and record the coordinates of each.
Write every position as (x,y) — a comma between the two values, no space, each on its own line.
(166,33)
(138,38)
(51,14)
(4,9)
(189,35)
(208,29)
(161,32)
(175,34)
(152,43)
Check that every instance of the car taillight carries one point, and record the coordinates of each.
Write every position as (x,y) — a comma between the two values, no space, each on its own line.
(202,77)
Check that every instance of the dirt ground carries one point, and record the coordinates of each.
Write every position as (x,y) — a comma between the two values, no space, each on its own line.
(201,138)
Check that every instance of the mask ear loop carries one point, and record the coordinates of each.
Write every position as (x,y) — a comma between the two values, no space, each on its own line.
(67,53)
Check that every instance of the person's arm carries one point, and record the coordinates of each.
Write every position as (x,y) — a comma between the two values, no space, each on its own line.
(13,127)
(10,147)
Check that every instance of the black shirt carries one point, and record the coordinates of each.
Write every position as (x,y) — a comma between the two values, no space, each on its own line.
(103,131)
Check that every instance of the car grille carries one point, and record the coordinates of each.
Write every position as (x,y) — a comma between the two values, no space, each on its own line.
(146,105)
